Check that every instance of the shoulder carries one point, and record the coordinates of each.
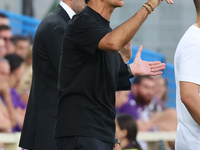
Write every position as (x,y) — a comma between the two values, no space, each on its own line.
(51,23)
(190,38)
(52,20)
(189,45)
(83,20)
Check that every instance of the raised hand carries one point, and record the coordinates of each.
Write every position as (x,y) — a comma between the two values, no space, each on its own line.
(155,3)
(169,1)
(141,67)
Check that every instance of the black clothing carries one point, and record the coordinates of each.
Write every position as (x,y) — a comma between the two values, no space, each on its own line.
(88,79)
(39,124)
(82,143)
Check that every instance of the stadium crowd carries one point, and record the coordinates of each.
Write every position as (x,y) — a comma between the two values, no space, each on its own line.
(140,109)
(15,77)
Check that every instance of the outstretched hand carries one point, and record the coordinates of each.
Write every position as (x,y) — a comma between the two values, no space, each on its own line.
(141,67)
(169,1)
(155,3)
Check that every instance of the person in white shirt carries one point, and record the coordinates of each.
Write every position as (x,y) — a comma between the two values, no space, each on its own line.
(187,74)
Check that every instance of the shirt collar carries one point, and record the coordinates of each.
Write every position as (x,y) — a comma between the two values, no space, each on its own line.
(69,11)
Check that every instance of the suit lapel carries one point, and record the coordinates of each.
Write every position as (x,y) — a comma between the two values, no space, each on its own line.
(63,13)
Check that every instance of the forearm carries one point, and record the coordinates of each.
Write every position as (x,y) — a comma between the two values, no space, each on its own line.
(19,116)
(120,36)
(10,107)
(19,119)
(193,106)
(126,52)
(189,93)
(5,124)
(8,101)
(124,33)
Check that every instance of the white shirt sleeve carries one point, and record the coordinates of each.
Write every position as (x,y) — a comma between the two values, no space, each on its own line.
(189,69)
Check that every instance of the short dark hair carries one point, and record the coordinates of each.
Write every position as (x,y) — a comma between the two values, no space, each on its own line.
(197,3)
(2,15)
(4,27)
(14,60)
(138,79)
(127,122)
(17,38)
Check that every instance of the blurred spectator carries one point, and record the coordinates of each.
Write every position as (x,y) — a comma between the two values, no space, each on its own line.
(6,34)
(5,123)
(29,59)
(25,83)
(160,88)
(17,70)
(2,47)
(24,86)
(160,95)
(121,98)
(142,91)
(21,45)
(126,129)
(139,98)
(4,20)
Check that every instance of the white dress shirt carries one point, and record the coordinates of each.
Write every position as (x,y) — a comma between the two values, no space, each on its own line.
(69,11)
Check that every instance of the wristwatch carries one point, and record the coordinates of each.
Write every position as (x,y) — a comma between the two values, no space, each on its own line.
(130,72)
(117,141)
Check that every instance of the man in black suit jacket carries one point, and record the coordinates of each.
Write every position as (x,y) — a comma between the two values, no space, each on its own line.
(39,123)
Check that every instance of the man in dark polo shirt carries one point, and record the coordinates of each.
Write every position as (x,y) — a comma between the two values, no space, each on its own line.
(91,70)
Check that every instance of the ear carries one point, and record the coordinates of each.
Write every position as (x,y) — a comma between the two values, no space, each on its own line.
(124,133)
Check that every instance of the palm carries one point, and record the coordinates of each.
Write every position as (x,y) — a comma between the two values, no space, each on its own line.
(141,67)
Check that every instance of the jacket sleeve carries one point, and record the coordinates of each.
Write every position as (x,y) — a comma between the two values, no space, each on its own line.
(54,46)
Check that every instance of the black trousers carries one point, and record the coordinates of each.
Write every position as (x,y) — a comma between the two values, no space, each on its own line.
(82,143)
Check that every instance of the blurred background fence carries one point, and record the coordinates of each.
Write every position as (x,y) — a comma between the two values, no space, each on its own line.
(21,24)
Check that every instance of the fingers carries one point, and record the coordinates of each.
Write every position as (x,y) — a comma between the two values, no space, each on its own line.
(156,73)
(157,67)
(139,51)
(169,1)
(154,63)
